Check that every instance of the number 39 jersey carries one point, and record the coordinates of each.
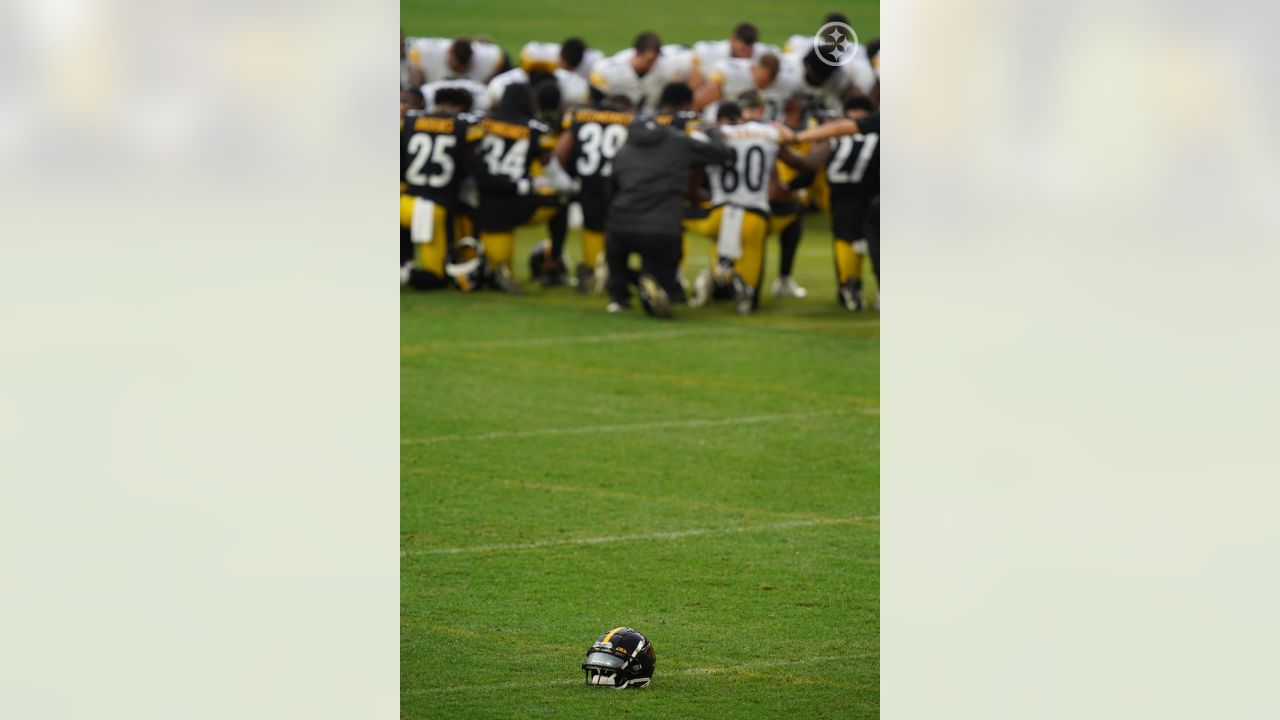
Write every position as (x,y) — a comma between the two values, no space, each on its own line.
(744,179)
(433,154)
(597,137)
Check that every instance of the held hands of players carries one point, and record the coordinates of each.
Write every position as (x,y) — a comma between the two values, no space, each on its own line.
(554,185)
(786,135)
(555,180)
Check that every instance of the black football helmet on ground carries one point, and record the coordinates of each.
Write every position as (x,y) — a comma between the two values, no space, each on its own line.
(619,659)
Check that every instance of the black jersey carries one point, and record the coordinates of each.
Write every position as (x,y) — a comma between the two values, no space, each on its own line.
(434,152)
(506,161)
(597,137)
(853,173)
(683,120)
(855,160)
(507,154)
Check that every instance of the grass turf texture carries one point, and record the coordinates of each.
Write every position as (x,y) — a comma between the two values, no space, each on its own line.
(611,25)
(755,447)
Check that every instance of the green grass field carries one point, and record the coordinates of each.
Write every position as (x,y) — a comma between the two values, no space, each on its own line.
(712,481)
(611,25)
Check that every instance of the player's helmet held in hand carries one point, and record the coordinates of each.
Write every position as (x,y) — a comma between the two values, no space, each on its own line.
(620,658)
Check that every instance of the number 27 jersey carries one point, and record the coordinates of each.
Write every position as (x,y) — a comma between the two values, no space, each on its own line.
(744,179)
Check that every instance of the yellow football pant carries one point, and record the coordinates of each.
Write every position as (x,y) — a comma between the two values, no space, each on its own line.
(754,229)
(427,256)
(778,223)
(592,246)
(500,247)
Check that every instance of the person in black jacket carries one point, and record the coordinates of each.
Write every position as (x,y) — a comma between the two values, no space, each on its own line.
(650,174)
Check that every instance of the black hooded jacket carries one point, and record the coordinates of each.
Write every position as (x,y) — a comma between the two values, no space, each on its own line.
(651,172)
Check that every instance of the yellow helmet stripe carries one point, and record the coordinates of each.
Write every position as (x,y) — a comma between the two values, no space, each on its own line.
(611,632)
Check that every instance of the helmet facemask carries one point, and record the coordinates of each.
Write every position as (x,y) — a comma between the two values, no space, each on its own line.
(610,665)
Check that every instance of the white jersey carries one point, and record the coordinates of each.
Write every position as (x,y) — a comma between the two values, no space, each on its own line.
(615,76)
(744,180)
(430,55)
(479,95)
(546,56)
(707,53)
(679,61)
(734,77)
(798,45)
(573,89)
(857,73)
(788,83)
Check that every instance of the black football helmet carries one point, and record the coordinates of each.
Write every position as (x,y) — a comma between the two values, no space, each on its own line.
(542,266)
(619,659)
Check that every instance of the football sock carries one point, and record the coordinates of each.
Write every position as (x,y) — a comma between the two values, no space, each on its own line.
(848,264)
(790,241)
(751,265)
(406,246)
(558,227)
(499,247)
(875,260)
(592,246)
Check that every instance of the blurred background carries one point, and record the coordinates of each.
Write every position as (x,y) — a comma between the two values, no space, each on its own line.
(1077,456)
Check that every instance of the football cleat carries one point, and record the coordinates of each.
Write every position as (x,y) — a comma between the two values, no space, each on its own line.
(653,297)
(621,658)
(702,286)
(505,280)
(614,307)
(546,268)
(851,294)
(586,279)
(744,296)
(554,278)
(785,287)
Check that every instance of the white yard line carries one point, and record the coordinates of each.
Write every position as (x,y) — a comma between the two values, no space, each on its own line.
(694,532)
(656,425)
(760,665)
(570,339)
(633,336)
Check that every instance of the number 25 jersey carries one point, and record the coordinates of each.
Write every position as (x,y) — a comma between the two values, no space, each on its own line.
(435,153)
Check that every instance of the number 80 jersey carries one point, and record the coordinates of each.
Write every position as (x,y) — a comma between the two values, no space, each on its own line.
(433,154)
(744,179)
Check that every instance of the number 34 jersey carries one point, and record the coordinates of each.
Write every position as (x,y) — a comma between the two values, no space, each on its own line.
(434,154)
(744,179)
